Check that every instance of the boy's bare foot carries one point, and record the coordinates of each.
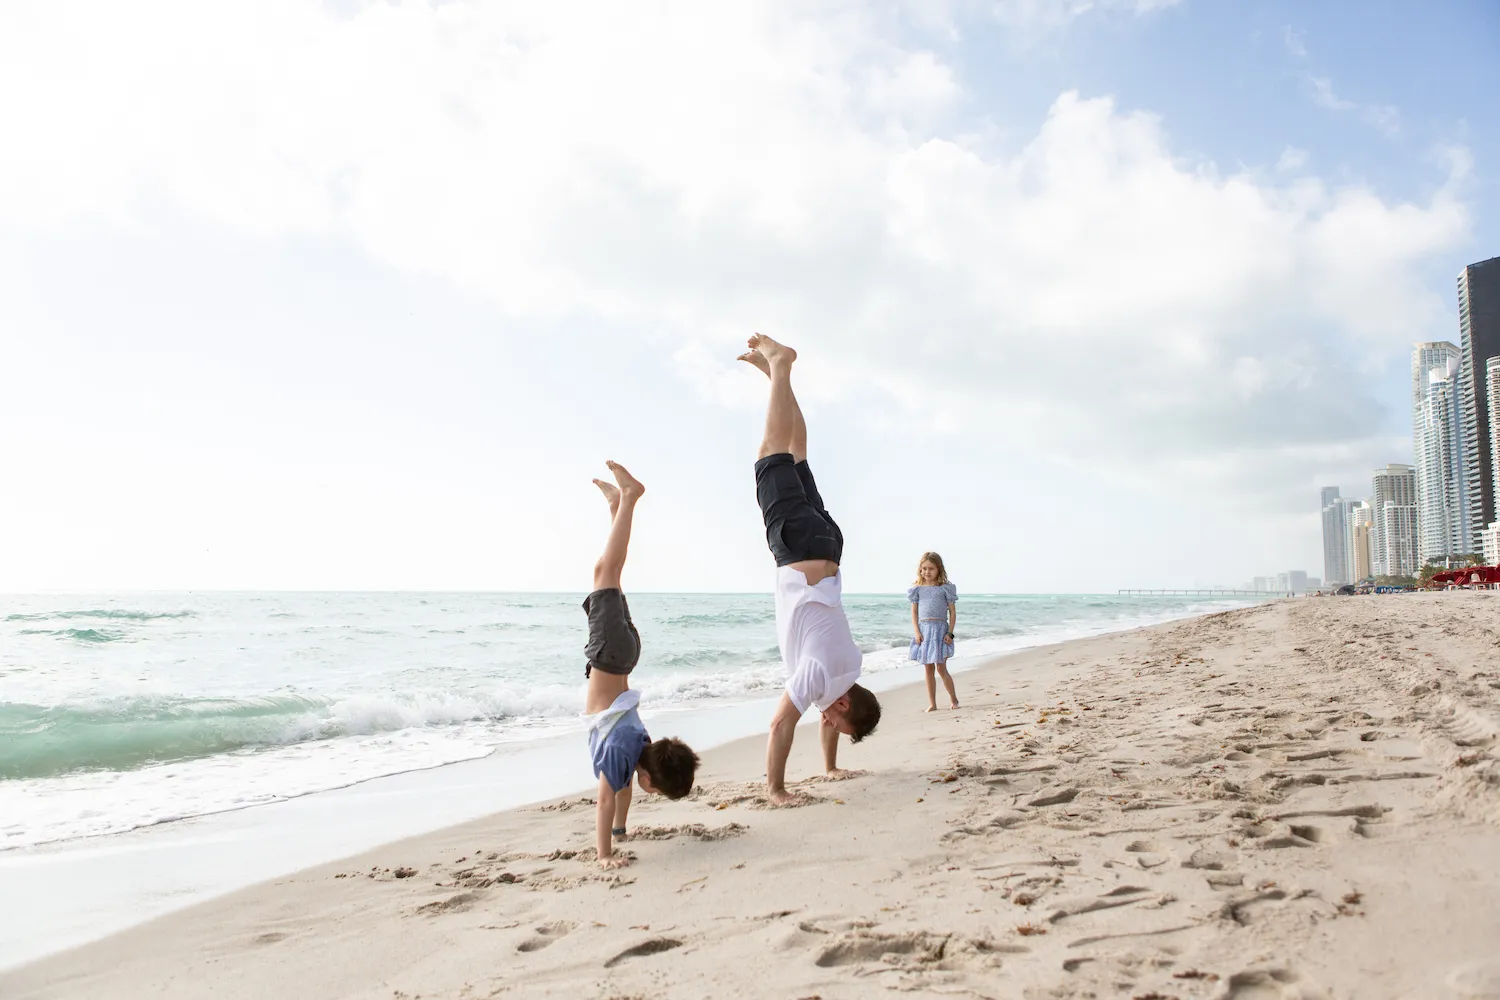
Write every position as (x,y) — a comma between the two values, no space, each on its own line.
(758,360)
(611,493)
(629,485)
(774,353)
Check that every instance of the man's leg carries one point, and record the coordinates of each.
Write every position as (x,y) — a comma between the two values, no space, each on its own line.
(783,415)
(622,500)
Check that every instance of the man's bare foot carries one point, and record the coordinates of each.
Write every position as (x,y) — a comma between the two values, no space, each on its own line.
(758,360)
(774,353)
(629,485)
(611,493)
(785,798)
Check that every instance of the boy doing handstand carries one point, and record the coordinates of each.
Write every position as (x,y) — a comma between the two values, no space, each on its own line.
(618,742)
(822,660)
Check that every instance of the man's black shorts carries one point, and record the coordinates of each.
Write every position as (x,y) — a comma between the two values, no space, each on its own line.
(798,526)
(614,644)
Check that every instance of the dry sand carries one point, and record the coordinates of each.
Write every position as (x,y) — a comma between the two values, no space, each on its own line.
(1296,800)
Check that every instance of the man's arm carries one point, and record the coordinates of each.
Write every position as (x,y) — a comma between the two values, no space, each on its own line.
(830,749)
(604,814)
(779,747)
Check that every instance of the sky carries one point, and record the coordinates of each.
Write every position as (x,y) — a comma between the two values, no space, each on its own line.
(361,294)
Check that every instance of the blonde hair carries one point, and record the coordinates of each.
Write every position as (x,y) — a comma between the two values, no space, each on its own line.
(936,560)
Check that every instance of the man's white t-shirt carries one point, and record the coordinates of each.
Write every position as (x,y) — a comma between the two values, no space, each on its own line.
(822,659)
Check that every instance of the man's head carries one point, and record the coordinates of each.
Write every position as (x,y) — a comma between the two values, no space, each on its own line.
(856,713)
(667,768)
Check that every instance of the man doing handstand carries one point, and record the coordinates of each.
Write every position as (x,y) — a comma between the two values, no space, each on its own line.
(821,657)
(617,738)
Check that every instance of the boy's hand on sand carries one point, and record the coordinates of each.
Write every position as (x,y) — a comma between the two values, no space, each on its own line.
(614,861)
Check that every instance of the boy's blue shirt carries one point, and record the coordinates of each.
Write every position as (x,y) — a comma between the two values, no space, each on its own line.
(616,738)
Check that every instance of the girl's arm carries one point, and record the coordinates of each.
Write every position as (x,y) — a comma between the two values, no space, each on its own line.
(916,627)
(952,609)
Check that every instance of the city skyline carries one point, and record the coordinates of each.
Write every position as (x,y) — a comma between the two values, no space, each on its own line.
(1445,504)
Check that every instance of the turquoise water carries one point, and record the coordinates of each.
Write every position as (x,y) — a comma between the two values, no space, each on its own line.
(119,711)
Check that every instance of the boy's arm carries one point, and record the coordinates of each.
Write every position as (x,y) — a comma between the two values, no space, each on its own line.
(604,814)
(779,748)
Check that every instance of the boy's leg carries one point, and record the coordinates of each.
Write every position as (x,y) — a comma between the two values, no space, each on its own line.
(622,500)
(614,645)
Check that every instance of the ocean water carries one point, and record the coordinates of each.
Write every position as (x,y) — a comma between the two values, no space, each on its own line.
(122,711)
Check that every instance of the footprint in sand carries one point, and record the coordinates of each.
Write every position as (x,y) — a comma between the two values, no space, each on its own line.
(1270,984)
(695,830)
(545,935)
(914,949)
(453,904)
(652,947)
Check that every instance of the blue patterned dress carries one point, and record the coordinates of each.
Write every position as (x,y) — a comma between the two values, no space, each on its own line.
(932,618)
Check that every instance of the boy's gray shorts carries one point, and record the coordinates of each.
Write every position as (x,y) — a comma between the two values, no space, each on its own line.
(614,644)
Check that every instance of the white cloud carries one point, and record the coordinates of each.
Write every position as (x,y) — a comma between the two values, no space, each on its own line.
(1294,42)
(1384,117)
(1291,159)
(1047,15)
(707,170)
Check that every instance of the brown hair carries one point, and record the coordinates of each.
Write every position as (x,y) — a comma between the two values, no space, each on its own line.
(671,764)
(937,561)
(864,713)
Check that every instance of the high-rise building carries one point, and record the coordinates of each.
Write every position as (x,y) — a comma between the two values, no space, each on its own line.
(1394,484)
(1298,579)
(1492,384)
(1400,531)
(1314,583)
(1357,520)
(1443,527)
(1361,550)
(1335,535)
(1489,542)
(1479,340)
(1327,495)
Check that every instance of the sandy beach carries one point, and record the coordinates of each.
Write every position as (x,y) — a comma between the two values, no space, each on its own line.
(1296,800)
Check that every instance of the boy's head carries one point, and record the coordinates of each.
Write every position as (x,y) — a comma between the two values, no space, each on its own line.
(856,713)
(667,768)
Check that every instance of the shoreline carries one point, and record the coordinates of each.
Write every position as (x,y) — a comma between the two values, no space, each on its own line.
(183,862)
(180,863)
(1275,761)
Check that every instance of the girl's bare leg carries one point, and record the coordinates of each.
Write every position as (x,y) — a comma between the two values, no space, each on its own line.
(931,688)
(942,669)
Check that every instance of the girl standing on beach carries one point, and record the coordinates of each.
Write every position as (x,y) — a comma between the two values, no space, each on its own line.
(934,612)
